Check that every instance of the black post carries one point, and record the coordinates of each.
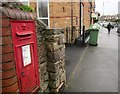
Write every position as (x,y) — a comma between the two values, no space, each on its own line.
(83,35)
(71,21)
(67,34)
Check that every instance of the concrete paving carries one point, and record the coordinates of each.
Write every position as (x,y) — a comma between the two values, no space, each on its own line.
(94,68)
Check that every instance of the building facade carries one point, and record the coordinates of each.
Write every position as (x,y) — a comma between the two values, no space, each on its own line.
(71,16)
(63,14)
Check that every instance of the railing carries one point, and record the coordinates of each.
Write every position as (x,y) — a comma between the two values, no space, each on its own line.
(70,35)
(74,37)
(86,35)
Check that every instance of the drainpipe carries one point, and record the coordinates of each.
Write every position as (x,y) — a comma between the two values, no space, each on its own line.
(90,13)
(80,18)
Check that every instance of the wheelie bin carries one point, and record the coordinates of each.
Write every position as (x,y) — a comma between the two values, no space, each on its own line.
(94,30)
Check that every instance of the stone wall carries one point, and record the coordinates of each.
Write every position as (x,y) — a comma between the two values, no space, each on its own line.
(42,57)
(51,54)
(54,41)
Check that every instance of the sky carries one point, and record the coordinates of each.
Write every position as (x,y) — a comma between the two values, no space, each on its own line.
(106,7)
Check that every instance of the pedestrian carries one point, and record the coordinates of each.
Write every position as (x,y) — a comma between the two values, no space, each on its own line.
(109,26)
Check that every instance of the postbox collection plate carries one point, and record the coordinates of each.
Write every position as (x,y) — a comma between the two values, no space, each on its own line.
(26,54)
(25,51)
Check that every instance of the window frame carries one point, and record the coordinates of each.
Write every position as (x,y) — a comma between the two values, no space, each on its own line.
(42,18)
(27,1)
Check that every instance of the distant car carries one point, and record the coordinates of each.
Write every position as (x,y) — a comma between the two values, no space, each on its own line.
(105,24)
(118,30)
(117,25)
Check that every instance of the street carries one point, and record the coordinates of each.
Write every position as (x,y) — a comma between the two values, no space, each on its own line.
(96,67)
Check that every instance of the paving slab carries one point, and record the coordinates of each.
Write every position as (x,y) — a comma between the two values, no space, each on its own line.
(95,67)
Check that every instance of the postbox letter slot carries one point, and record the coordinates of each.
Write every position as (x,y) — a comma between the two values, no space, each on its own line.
(24,34)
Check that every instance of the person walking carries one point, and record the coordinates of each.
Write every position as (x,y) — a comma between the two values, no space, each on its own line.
(109,26)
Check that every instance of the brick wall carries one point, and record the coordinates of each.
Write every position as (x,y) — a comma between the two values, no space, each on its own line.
(33,4)
(7,65)
(60,13)
(9,78)
(86,14)
(60,16)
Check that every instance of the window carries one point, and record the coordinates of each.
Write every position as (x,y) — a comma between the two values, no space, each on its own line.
(43,11)
(26,2)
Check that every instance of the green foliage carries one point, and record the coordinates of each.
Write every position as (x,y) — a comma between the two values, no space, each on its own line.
(26,8)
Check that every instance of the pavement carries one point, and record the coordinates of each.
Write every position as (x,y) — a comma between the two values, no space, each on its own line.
(93,68)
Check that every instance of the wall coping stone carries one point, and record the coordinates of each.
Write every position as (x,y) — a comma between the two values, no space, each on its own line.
(17,14)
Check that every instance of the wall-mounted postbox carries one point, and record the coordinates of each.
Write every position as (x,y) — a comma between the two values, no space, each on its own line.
(25,50)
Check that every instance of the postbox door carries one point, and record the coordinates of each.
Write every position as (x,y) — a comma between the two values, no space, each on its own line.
(26,67)
(25,50)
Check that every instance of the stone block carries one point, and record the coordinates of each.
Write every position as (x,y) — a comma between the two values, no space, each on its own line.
(54,76)
(39,38)
(43,59)
(58,89)
(62,46)
(41,81)
(54,84)
(63,77)
(54,56)
(52,32)
(62,49)
(52,38)
(44,86)
(41,50)
(43,68)
(53,67)
(62,64)
(61,39)
(62,58)
(47,91)
(61,71)
(52,46)
(44,78)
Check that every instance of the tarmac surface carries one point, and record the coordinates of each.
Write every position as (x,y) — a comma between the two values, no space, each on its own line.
(94,68)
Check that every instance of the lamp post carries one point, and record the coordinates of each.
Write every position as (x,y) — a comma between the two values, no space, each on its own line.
(104,5)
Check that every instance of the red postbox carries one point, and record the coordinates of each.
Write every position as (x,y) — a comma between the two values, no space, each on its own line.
(25,50)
